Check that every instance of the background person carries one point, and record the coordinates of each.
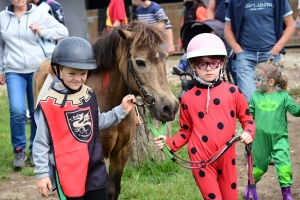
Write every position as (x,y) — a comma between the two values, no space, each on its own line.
(255,30)
(115,14)
(152,13)
(20,23)
(193,10)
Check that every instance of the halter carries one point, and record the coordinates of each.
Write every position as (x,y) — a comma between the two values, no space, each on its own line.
(147,98)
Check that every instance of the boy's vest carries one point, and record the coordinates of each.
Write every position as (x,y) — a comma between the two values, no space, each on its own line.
(75,136)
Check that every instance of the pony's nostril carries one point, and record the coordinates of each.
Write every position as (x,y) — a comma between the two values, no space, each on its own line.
(167,111)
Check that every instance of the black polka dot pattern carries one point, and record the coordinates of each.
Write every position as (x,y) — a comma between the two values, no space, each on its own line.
(204,138)
(220,125)
(233,162)
(250,122)
(232,89)
(183,136)
(201,115)
(247,112)
(216,101)
(232,113)
(201,173)
(198,93)
(185,127)
(233,185)
(174,143)
(184,106)
(212,196)
(219,171)
(193,150)
(249,130)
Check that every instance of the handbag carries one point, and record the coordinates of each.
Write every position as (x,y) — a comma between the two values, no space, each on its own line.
(47,45)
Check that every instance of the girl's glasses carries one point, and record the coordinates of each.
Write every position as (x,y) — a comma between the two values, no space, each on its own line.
(212,64)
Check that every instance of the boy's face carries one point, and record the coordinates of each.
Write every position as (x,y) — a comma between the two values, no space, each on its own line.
(136,2)
(208,69)
(73,78)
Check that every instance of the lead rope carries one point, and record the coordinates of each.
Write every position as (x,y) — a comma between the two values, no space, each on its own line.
(251,182)
(170,153)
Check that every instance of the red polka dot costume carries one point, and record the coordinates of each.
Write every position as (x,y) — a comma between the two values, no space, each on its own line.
(206,129)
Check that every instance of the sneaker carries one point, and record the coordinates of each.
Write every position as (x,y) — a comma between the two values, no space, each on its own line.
(20,158)
(31,163)
(177,70)
(271,162)
(248,190)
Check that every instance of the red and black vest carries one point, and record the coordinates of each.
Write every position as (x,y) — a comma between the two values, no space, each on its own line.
(75,136)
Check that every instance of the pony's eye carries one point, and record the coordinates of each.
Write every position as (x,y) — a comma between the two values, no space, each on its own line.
(140,63)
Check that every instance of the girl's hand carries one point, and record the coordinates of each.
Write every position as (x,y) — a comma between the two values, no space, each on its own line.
(42,185)
(127,103)
(246,138)
(35,28)
(159,141)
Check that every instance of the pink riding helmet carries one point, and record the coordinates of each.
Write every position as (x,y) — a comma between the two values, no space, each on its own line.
(205,44)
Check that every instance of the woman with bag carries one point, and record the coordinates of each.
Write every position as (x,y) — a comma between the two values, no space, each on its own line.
(20,53)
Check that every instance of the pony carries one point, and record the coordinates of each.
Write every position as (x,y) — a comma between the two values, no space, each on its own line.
(130,59)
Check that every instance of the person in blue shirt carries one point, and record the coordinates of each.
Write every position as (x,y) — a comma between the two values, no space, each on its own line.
(55,9)
(255,30)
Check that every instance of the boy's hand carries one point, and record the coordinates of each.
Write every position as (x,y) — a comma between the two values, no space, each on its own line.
(127,102)
(159,141)
(42,185)
(35,28)
(246,138)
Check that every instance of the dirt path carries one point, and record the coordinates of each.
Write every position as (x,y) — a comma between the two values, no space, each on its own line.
(21,187)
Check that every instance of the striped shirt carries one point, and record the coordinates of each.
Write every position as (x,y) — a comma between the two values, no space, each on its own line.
(152,14)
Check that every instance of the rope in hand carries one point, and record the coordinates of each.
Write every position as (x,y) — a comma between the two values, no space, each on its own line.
(170,153)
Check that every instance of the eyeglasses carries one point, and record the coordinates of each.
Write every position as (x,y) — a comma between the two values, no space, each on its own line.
(212,64)
(259,80)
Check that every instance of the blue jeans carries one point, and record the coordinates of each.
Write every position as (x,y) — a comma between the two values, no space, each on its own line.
(18,87)
(232,68)
(245,70)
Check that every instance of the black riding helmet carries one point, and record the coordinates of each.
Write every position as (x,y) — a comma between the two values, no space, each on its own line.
(74,52)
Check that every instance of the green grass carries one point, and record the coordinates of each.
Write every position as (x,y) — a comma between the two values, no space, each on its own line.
(6,150)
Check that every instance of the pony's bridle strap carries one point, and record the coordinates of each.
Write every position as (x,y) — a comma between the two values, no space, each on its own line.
(146,96)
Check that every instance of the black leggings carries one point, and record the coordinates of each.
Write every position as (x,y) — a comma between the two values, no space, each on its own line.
(100,194)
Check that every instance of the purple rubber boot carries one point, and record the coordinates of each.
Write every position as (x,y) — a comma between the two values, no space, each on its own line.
(248,190)
(286,193)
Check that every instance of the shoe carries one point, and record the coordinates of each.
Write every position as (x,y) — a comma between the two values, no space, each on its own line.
(247,192)
(20,158)
(271,162)
(31,163)
(286,193)
(177,70)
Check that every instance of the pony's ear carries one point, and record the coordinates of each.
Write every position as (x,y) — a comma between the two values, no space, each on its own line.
(124,34)
(162,24)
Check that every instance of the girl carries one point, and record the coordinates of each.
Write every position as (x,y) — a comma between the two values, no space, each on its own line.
(268,107)
(208,119)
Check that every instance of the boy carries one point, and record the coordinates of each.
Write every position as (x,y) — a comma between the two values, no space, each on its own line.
(67,148)
(152,13)
(208,119)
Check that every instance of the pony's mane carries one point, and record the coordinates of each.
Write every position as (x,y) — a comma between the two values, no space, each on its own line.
(108,43)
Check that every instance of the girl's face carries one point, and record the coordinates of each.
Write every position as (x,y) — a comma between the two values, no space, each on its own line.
(73,78)
(261,82)
(207,68)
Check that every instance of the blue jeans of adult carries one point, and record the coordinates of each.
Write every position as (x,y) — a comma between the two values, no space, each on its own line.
(19,86)
(245,63)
